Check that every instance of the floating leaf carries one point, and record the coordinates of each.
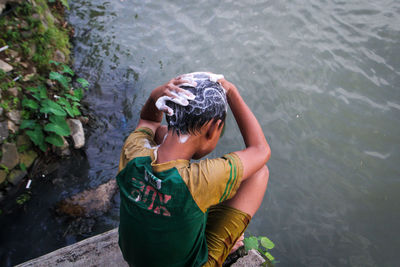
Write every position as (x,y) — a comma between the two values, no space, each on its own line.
(52,107)
(250,243)
(58,125)
(29,103)
(30,124)
(55,139)
(266,243)
(269,256)
(68,70)
(84,83)
(60,78)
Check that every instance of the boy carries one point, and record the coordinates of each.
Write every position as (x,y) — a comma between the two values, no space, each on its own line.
(177,213)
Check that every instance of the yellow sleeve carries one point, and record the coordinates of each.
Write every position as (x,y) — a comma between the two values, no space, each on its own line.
(140,143)
(212,181)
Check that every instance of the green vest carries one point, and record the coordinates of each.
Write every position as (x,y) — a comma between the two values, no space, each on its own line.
(160,223)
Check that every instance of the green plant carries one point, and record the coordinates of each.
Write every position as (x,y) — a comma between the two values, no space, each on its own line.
(21,199)
(46,122)
(262,244)
(5,168)
(63,2)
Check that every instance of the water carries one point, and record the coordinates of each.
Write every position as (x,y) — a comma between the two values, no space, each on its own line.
(321,76)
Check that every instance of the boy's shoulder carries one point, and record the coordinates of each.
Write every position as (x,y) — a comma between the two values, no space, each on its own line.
(212,181)
(140,143)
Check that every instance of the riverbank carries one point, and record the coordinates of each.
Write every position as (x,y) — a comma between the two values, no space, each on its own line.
(40,114)
(103,250)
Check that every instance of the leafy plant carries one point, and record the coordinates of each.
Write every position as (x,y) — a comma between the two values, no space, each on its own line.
(262,244)
(46,121)
(21,199)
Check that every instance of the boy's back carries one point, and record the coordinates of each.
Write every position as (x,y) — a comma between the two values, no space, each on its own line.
(177,213)
(164,206)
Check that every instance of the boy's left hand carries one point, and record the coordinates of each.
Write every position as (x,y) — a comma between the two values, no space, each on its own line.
(169,87)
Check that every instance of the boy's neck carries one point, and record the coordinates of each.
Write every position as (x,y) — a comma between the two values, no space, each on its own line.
(176,147)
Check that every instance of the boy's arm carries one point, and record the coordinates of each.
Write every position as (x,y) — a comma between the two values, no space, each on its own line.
(257,151)
(150,116)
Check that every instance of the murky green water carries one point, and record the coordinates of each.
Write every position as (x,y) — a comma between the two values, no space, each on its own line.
(322,77)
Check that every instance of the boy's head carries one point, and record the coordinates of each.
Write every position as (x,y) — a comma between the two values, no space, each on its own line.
(208,106)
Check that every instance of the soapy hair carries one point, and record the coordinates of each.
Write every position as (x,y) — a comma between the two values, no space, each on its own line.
(209,104)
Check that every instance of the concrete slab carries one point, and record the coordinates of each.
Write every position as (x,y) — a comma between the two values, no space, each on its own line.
(99,250)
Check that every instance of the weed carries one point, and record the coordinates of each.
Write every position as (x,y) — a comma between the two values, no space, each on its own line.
(46,122)
(262,244)
(21,199)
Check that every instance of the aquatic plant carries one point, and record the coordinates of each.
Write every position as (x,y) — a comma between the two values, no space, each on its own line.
(262,244)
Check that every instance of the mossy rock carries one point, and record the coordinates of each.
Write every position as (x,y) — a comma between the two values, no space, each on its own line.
(27,158)
(16,176)
(3,176)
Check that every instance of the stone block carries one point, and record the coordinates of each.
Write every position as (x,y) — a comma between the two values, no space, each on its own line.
(16,176)
(28,157)
(252,259)
(10,157)
(3,131)
(3,176)
(15,116)
(77,132)
(5,66)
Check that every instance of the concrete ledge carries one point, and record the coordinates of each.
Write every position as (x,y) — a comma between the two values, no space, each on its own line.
(103,250)
(99,250)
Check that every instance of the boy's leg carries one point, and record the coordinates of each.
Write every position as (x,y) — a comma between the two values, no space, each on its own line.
(227,221)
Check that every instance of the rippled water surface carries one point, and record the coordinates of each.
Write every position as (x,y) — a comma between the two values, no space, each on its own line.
(322,77)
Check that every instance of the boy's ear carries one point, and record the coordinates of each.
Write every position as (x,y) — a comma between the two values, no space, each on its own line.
(213,127)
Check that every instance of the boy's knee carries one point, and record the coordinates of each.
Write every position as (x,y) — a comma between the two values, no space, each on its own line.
(263,176)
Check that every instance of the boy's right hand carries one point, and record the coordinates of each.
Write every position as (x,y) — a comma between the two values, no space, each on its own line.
(228,86)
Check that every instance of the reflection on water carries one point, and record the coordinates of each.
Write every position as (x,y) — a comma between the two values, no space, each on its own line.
(322,78)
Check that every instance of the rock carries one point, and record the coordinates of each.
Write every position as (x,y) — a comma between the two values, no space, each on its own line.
(49,83)
(64,150)
(252,259)
(5,66)
(28,77)
(12,53)
(12,126)
(23,140)
(77,132)
(16,176)
(27,158)
(14,115)
(13,91)
(10,157)
(88,203)
(32,49)
(3,131)
(59,56)
(24,64)
(84,120)
(3,176)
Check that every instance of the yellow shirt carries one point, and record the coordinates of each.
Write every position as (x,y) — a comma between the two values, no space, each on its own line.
(210,181)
